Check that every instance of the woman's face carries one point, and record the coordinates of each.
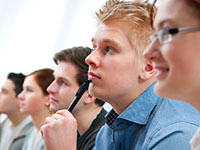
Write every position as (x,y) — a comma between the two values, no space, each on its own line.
(177,61)
(32,99)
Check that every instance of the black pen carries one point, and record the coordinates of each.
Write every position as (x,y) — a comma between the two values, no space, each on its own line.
(78,95)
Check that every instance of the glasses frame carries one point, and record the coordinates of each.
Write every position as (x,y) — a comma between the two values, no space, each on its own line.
(170,32)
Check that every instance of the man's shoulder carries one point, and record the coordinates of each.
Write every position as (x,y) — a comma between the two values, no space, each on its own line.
(87,140)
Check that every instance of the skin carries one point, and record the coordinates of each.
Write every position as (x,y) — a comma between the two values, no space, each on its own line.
(8,100)
(177,61)
(117,77)
(59,125)
(32,95)
(9,103)
(63,89)
(62,92)
(32,101)
(113,68)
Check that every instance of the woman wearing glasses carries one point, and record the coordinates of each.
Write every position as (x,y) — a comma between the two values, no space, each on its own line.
(175,51)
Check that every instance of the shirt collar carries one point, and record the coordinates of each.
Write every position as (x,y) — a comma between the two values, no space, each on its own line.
(110,117)
(140,109)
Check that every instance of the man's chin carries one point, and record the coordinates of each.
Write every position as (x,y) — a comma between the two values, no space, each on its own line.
(52,108)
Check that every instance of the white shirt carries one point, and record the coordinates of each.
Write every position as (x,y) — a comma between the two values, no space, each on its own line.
(195,141)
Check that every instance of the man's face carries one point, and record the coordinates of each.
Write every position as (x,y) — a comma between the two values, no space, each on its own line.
(63,89)
(113,68)
(8,100)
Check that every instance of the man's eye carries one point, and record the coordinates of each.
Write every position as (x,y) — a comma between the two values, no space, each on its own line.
(3,91)
(61,82)
(29,90)
(109,50)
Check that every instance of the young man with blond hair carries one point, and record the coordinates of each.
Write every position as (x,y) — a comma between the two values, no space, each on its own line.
(139,120)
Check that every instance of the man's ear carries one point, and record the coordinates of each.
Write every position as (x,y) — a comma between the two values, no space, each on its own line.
(148,71)
(89,98)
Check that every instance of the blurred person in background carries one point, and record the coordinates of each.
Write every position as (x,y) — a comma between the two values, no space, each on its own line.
(16,127)
(34,100)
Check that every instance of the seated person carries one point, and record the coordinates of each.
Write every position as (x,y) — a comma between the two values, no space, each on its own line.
(34,100)
(177,54)
(16,127)
(70,73)
(139,120)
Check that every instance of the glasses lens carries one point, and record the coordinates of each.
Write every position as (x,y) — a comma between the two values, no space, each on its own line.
(166,38)
(152,37)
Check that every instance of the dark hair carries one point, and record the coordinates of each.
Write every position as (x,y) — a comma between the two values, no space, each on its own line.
(17,79)
(43,77)
(76,56)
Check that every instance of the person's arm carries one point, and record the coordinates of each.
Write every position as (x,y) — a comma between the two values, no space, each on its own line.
(60,131)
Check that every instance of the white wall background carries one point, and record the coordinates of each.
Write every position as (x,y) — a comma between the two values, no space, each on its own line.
(32,31)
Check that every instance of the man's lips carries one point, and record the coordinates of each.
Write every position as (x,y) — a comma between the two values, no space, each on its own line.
(93,76)
(53,100)
(20,104)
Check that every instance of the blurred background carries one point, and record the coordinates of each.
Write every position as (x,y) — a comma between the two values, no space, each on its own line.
(32,31)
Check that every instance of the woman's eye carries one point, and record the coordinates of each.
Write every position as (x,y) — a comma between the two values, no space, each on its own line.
(29,90)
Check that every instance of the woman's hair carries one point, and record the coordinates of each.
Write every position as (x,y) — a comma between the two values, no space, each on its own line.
(193,4)
(195,7)
(43,77)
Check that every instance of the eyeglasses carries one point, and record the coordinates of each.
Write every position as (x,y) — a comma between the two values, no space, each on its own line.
(165,35)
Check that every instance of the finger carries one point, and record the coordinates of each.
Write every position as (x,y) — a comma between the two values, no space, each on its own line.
(64,112)
(43,129)
(49,120)
(57,116)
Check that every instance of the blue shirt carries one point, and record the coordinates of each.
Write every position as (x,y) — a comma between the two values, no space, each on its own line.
(149,123)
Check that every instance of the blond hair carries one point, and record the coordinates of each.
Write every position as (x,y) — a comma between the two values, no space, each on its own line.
(136,14)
